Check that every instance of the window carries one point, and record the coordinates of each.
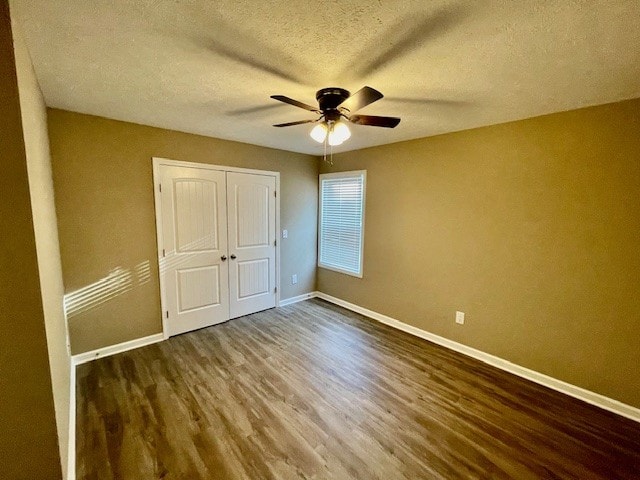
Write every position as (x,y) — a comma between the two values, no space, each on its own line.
(341,229)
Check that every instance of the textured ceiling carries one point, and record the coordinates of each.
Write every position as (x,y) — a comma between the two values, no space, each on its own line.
(209,67)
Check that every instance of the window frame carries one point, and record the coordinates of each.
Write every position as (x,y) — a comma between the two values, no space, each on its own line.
(359,174)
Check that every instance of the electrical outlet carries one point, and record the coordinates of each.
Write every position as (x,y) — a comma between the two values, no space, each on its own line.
(285,233)
(460,318)
(294,279)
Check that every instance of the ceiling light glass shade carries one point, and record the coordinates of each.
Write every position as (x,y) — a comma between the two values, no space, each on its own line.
(319,132)
(334,141)
(338,134)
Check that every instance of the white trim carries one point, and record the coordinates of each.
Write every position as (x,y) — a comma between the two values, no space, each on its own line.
(71,449)
(580,393)
(298,298)
(118,348)
(157,200)
(277,238)
(179,163)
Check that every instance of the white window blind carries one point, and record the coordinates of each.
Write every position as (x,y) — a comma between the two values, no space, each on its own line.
(342,197)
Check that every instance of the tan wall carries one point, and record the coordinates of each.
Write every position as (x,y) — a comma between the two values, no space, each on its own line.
(34,124)
(531,228)
(28,443)
(104,198)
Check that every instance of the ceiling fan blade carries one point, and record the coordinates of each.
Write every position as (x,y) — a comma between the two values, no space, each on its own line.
(360,99)
(295,103)
(374,121)
(299,122)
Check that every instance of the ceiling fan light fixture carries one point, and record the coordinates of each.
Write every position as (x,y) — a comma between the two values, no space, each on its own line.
(319,132)
(339,133)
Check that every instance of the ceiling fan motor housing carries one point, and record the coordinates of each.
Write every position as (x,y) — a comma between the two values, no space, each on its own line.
(329,99)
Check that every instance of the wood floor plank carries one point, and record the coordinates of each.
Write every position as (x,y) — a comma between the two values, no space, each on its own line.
(313,391)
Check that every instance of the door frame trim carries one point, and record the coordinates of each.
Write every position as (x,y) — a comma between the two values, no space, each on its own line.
(157,162)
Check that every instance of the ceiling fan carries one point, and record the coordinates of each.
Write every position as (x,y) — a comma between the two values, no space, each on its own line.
(334,105)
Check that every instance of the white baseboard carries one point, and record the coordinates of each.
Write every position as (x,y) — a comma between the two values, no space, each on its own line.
(580,393)
(118,348)
(298,298)
(585,395)
(71,451)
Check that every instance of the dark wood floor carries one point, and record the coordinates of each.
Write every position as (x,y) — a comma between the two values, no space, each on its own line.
(315,391)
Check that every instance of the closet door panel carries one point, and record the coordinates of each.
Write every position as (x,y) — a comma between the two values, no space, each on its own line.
(251,235)
(193,267)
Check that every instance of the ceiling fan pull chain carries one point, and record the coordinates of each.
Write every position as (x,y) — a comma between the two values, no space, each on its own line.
(324,144)
(324,158)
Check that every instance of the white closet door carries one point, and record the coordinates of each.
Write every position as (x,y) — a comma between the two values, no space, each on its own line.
(193,266)
(252,234)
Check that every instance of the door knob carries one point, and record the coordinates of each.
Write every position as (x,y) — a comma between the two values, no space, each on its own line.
(233,257)
(223,258)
